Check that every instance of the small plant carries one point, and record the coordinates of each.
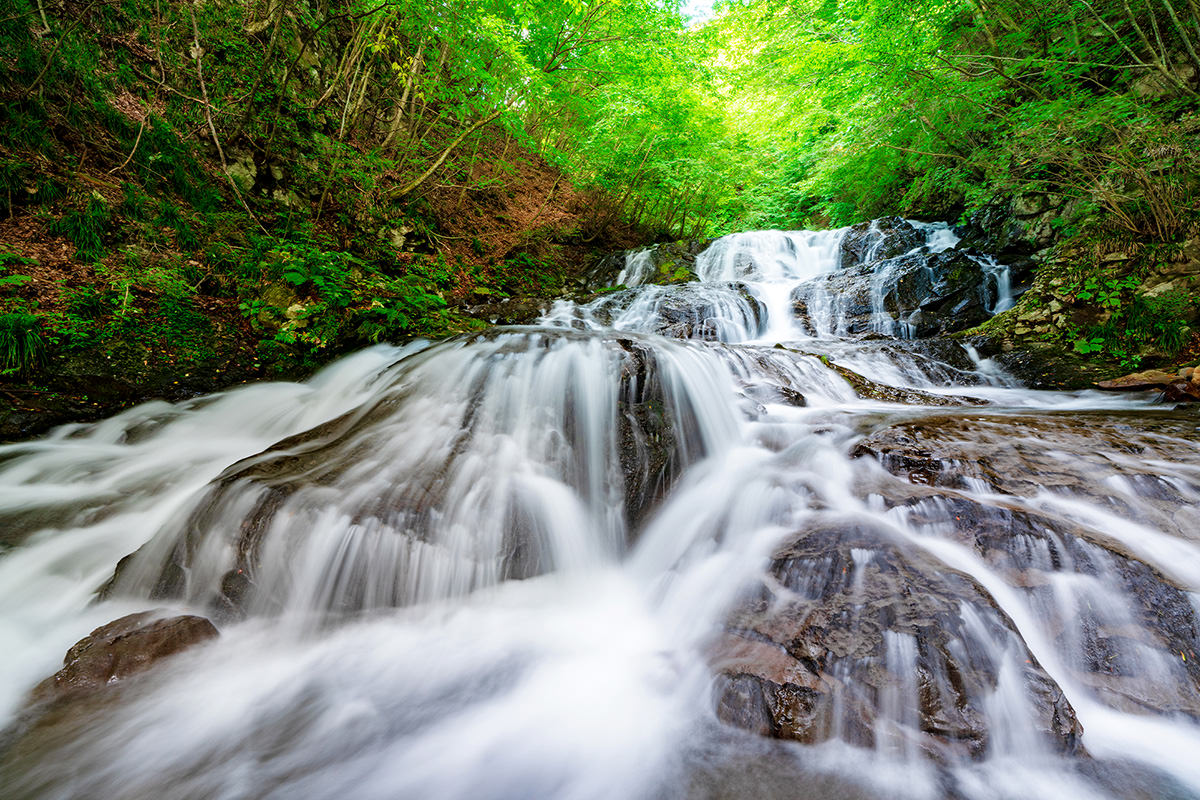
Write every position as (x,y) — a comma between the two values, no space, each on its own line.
(7,281)
(1104,292)
(134,201)
(21,342)
(1138,326)
(85,228)
(88,302)
(170,217)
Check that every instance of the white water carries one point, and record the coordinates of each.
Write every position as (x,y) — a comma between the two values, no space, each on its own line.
(389,650)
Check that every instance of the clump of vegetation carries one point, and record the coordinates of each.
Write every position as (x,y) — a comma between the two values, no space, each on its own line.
(22,344)
(85,227)
(1137,324)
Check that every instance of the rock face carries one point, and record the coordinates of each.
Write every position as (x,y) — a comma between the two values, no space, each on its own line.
(510,310)
(926,294)
(1134,641)
(122,648)
(880,240)
(661,264)
(654,435)
(858,633)
(864,639)
(709,312)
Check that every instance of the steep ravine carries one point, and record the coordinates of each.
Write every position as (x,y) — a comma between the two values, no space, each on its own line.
(771,527)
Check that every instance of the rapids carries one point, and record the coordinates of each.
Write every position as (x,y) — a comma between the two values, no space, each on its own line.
(662,545)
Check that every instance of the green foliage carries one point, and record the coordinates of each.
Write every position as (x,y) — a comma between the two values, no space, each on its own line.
(1104,291)
(8,261)
(21,342)
(771,114)
(85,228)
(933,108)
(328,274)
(1137,324)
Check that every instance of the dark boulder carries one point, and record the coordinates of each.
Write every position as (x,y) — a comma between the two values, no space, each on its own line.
(884,238)
(121,649)
(709,312)
(509,310)
(995,228)
(846,295)
(667,263)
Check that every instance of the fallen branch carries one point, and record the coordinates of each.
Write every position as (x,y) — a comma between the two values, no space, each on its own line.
(136,142)
(441,159)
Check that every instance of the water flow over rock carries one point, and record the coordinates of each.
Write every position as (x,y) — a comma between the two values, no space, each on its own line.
(713,538)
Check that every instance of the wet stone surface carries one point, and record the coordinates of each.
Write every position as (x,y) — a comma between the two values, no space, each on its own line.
(121,649)
(857,637)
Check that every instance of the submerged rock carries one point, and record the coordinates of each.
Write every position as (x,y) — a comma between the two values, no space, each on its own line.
(391,489)
(1128,628)
(708,312)
(1026,454)
(873,390)
(83,696)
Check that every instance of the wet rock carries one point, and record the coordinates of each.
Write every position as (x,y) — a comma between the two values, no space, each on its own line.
(873,390)
(1134,649)
(121,649)
(510,310)
(880,240)
(1126,629)
(649,440)
(918,295)
(1012,454)
(708,312)
(604,272)
(996,229)
(774,393)
(666,264)
(848,292)
(1175,387)
(1040,365)
(856,636)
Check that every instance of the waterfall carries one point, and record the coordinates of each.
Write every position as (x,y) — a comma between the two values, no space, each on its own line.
(663,544)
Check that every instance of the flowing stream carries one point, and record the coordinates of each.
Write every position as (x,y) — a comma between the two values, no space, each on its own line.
(663,545)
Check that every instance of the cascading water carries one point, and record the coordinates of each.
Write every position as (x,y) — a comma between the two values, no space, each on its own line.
(585,559)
